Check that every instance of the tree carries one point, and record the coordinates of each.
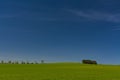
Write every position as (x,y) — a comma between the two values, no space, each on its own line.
(36,62)
(9,62)
(42,61)
(89,62)
(2,62)
(22,62)
(94,62)
(27,62)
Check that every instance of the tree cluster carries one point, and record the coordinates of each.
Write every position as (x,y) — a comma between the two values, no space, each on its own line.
(89,62)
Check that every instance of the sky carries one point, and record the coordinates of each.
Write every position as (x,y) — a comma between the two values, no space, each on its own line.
(60,30)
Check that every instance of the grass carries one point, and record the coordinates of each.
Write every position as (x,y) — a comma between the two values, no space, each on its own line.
(59,71)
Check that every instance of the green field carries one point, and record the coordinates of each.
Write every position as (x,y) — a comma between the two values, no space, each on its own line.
(59,71)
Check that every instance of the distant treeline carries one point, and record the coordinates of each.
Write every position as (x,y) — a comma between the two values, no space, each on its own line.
(41,62)
(20,62)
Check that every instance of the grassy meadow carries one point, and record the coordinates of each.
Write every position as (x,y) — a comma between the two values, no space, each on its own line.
(59,71)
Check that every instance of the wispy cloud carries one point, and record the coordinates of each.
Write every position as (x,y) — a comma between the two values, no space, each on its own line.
(116,28)
(8,15)
(95,15)
(28,15)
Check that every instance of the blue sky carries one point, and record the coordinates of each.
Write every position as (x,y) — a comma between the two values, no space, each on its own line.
(60,30)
